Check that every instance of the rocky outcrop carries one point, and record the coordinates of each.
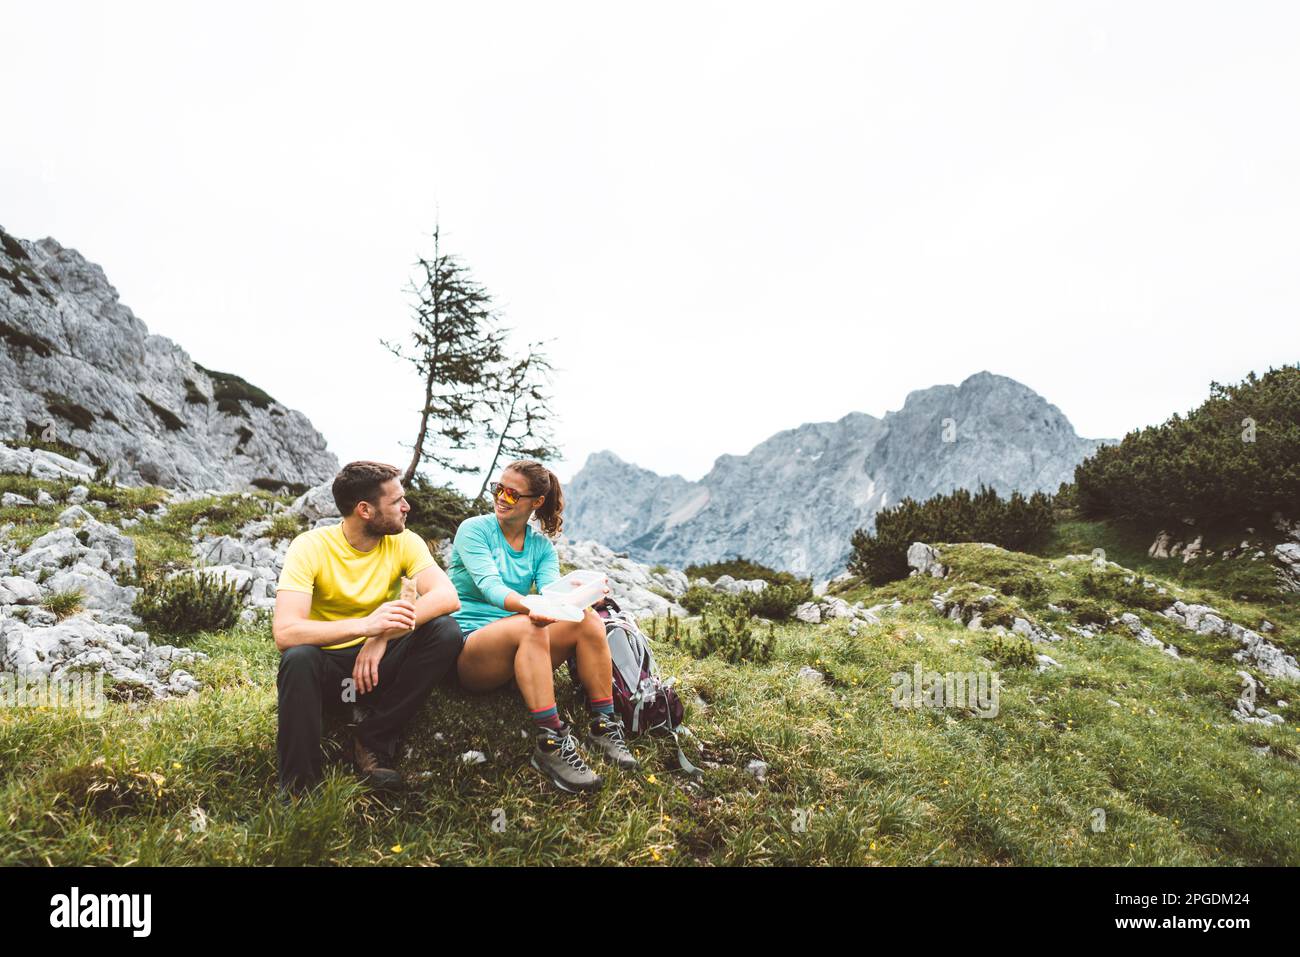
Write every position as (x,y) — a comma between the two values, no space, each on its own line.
(771,505)
(1255,649)
(87,556)
(78,368)
(81,645)
(1245,708)
(638,589)
(830,608)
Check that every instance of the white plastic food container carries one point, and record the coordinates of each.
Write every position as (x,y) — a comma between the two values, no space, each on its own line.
(579,588)
(548,607)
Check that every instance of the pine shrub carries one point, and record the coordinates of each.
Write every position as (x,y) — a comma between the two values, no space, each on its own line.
(187,604)
(728,631)
(1016,523)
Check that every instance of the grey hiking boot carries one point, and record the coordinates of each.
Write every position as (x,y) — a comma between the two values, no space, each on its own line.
(556,756)
(606,736)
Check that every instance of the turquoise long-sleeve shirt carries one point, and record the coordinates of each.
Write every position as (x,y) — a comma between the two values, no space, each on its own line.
(485,569)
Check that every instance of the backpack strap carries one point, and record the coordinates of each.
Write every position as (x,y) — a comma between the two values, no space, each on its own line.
(686,765)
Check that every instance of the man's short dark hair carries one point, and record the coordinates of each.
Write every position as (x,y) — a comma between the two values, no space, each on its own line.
(360,482)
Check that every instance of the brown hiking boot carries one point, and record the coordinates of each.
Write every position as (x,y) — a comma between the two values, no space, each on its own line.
(370,768)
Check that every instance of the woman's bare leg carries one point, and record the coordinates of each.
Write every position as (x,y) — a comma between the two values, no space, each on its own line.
(595,670)
(510,647)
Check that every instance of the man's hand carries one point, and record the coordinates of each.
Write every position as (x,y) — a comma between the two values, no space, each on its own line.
(365,671)
(390,619)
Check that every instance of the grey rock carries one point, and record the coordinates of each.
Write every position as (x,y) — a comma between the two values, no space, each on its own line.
(19,591)
(98,590)
(630,582)
(1045,662)
(924,559)
(74,515)
(809,612)
(833,607)
(11,499)
(1288,565)
(81,644)
(1160,547)
(48,466)
(734,586)
(811,675)
(222,550)
(317,503)
(1255,649)
(154,415)
(757,769)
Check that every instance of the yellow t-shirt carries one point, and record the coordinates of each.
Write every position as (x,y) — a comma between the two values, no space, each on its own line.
(346,583)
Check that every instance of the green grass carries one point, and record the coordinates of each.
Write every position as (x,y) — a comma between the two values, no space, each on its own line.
(64,603)
(1178,780)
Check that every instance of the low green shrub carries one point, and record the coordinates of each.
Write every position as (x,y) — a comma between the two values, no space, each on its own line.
(778,602)
(187,604)
(1113,586)
(727,631)
(1011,651)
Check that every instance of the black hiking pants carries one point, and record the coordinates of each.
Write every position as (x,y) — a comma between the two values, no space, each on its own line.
(312,678)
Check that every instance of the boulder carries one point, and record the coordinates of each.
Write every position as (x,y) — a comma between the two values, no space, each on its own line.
(809,612)
(317,503)
(48,466)
(924,560)
(19,591)
(1160,547)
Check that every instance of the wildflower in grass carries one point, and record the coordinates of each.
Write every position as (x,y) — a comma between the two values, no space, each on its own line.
(397,849)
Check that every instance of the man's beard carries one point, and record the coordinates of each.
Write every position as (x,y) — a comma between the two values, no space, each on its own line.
(377,527)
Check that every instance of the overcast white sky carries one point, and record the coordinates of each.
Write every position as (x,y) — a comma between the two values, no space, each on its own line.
(733,218)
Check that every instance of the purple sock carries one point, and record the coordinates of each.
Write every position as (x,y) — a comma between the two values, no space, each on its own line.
(548,718)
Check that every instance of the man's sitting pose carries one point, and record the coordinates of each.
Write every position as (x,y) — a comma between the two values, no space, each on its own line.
(344,636)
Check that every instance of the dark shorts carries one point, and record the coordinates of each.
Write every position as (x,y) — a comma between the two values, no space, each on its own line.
(464,635)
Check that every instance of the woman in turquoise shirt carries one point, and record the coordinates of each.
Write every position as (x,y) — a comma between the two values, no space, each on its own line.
(495,561)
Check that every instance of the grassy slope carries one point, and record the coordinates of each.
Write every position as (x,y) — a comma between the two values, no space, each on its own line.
(1178,779)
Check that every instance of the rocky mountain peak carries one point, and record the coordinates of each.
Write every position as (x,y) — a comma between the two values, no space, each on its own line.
(794,501)
(77,367)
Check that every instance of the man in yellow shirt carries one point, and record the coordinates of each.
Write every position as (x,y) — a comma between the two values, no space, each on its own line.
(344,634)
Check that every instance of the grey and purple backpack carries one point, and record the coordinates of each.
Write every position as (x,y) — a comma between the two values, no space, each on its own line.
(643,699)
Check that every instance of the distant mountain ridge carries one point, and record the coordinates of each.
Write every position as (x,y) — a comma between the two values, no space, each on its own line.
(78,367)
(795,500)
